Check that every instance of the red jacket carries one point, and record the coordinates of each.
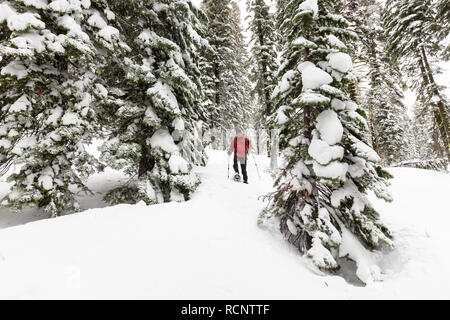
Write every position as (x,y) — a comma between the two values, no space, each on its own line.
(241,147)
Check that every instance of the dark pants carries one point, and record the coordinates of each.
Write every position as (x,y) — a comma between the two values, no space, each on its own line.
(243,169)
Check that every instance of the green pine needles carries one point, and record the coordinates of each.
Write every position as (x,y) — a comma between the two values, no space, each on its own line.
(321,192)
(125,72)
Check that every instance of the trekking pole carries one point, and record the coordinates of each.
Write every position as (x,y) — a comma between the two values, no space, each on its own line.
(228,167)
(257,170)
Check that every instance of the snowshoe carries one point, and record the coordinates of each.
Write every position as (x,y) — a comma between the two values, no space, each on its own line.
(237,177)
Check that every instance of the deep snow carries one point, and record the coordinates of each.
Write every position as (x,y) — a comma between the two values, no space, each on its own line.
(211,247)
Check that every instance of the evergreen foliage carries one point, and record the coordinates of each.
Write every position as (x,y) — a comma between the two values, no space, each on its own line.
(148,77)
(153,110)
(387,116)
(264,57)
(414,38)
(226,64)
(263,52)
(329,167)
(443,19)
(124,71)
(51,57)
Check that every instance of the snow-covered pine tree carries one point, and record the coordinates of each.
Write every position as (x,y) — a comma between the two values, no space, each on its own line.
(219,35)
(443,18)
(227,67)
(241,85)
(414,41)
(153,110)
(321,199)
(426,141)
(48,99)
(387,114)
(264,57)
(208,87)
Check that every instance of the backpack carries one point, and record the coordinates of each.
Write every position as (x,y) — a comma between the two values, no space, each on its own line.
(246,144)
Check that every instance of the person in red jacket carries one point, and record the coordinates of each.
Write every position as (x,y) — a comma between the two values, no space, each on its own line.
(240,145)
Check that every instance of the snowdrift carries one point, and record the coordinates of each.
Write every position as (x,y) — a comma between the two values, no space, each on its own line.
(211,247)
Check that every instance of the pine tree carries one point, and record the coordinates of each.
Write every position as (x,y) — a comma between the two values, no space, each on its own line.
(208,87)
(264,55)
(443,20)
(227,67)
(51,58)
(426,140)
(219,35)
(384,100)
(241,85)
(263,52)
(152,112)
(321,191)
(414,39)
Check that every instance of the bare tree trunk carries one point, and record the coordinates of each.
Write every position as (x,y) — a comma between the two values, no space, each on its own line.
(224,138)
(274,153)
(257,140)
(213,139)
(269,139)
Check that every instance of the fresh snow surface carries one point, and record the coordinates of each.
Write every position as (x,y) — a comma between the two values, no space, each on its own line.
(15,68)
(21,104)
(330,127)
(313,77)
(323,153)
(335,42)
(162,139)
(211,247)
(340,61)
(310,5)
(333,170)
(23,21)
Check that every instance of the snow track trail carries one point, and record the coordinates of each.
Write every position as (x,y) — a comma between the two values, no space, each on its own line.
(211,247)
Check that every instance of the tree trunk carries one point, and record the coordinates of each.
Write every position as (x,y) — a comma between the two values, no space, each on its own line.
(224,137)
(274,157)
(374,83)
(307,110)
(146,164)
(353,92)
(257,141)
(440,113)
(213,138)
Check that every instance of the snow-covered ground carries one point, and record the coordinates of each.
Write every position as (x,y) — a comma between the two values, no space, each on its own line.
(211,247)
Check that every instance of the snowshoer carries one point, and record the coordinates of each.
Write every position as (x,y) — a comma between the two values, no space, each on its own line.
(240,145)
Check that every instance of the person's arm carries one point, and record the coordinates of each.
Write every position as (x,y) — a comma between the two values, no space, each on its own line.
(250,147)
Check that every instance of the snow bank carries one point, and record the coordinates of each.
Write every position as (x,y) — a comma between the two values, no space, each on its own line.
(211,247)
